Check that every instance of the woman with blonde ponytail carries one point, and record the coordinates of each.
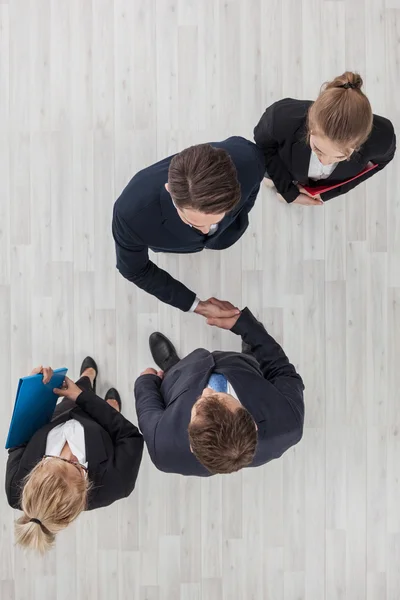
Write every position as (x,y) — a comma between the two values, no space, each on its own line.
(88,456)
(333,138)
(52,497)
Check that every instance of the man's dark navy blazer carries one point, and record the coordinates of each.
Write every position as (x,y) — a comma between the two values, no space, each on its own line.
(145,217)
(269,388)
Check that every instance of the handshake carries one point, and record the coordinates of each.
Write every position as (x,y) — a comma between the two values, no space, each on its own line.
(218,313)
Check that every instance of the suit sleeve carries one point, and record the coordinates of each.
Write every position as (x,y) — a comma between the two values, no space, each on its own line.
(12,487)
(382,159)
(126,438)
(269,134)
(150,408)
(134,264)
(272,360)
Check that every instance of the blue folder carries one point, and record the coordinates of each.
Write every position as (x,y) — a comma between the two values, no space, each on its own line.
(34,406)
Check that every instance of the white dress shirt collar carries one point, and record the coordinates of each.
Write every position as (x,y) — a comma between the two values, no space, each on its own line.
(72,432)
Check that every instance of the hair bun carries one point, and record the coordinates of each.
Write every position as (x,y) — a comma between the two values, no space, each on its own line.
(356,80)
(346,81)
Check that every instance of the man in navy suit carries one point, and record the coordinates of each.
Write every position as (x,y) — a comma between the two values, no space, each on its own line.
(217,412)
(199,198)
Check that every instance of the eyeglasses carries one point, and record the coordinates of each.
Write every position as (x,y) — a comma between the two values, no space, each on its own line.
(78,466)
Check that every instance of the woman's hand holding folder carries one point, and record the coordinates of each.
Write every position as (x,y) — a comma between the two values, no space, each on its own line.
(69,390)
(306,199)
(46,371)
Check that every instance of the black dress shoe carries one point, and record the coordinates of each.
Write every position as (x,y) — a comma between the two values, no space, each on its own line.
(112,394)
(89,363)
(163,351)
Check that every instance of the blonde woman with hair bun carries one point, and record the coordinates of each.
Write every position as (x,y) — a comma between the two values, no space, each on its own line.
(87,457)
(333,138)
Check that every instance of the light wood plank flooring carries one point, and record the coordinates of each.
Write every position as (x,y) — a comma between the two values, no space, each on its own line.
(90,92)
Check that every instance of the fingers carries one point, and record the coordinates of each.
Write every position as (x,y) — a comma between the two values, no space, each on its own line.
(37,370)
(306,193)
(223,304)
(149,371)
(227,307)
(67,384)
(68,389)
(47,374)
(59,392)
(228,314)
(213,322)
(219,322)
(160,374)
(216,302)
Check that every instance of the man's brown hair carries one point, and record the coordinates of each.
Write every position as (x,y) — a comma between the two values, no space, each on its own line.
(342,112)
(204,178)
(224,441)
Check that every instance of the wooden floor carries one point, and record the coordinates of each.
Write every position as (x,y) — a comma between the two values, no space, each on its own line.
(90,92)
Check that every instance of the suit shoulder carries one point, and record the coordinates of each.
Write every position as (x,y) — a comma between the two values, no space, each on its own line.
(289,108)
(246,155)
(382,137)
(237,146)
(143,191)
(282,119)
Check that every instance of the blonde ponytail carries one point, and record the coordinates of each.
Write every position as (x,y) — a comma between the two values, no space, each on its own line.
(342,112)
(32,535)
(52,497)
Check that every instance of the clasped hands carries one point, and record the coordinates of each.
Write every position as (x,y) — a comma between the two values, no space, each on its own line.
(218,313)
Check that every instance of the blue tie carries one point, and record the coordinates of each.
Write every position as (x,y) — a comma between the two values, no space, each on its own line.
(218,383)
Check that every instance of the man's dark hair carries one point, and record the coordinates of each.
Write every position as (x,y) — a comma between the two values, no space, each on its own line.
(224,441)
(204,178)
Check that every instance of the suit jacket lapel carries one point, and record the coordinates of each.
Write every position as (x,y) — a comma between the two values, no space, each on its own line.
(347,168)
(192,372)
(300,161)
(300,158)
(96,452)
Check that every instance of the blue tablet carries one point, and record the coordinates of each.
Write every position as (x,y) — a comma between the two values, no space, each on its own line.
(34,406)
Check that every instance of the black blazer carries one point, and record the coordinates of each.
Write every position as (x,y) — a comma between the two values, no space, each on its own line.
(269,389)
(113,451)
(145,217)
(281,133)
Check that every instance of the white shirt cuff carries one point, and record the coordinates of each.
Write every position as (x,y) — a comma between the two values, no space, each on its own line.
(194,305)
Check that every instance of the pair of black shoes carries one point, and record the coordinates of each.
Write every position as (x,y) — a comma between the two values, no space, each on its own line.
(112,394)
(165,355)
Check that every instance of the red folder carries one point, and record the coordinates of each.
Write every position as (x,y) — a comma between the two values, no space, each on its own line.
(320,189)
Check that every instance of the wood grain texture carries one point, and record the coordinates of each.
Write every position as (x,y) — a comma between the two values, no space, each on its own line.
(93,91)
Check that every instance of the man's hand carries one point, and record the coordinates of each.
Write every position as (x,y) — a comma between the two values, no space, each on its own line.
(151,371)
(216,309)
(47,373)
(224,322)
(69,390)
